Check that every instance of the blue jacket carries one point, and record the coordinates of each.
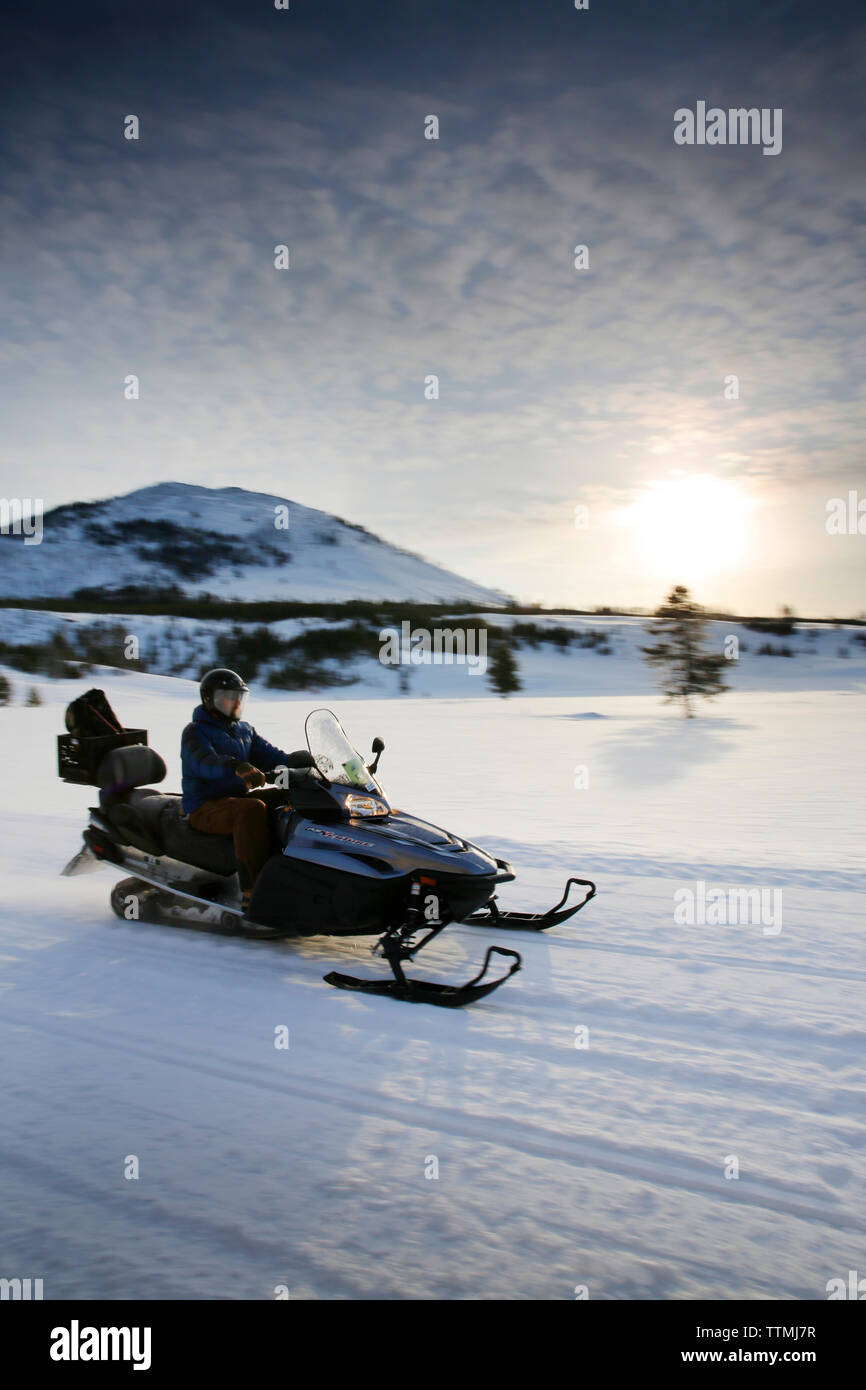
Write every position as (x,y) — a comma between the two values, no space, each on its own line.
(209,747)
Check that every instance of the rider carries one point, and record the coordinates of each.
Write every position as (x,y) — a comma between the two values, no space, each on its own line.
(224,762)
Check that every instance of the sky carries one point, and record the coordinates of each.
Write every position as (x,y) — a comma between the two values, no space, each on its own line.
(587,445)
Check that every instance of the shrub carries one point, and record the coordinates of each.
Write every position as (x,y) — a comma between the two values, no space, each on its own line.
(245,649)
(503,672)
(302,675)
(783,626)
(769,650)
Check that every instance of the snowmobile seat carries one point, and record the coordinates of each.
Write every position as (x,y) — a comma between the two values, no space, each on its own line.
(149,804)
(216,853)
(137,816)
(153,821)
(124,768)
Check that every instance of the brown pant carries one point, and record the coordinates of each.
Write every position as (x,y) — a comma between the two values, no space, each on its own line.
(246,819)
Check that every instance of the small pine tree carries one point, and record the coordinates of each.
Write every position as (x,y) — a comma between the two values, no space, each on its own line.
(33,696)
(5,691)
(687,668)
(502,669)
(787,621)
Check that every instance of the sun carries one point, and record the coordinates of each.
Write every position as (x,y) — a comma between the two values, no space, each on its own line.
(695,526)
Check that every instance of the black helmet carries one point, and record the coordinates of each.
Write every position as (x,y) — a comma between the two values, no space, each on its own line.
(223,692)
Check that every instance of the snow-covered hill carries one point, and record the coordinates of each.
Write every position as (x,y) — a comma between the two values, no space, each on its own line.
(222,541)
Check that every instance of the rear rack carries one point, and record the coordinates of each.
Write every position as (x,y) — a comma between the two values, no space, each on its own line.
(78,759)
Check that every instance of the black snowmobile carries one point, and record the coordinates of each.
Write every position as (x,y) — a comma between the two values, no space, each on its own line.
(345,863)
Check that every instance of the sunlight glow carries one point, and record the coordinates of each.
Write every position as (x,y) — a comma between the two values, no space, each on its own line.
(692,527)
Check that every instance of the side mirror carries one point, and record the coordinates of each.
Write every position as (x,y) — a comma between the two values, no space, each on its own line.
(378,749)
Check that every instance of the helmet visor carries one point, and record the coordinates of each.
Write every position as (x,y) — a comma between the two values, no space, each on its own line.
(229,702)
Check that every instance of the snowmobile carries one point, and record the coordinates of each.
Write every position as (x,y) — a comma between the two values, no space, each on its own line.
(345,862)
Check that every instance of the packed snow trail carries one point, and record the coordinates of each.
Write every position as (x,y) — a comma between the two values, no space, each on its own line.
(559,1166)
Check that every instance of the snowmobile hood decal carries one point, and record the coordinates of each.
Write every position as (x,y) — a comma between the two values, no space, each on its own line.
(348,839)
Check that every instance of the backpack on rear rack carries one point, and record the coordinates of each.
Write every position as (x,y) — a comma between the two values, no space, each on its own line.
(94,730)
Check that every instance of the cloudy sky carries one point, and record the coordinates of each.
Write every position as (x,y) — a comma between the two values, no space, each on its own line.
(602,389)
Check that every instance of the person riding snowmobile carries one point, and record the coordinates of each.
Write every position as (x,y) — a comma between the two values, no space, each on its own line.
(224,764)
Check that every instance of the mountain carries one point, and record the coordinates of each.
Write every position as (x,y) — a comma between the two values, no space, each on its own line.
(221,541)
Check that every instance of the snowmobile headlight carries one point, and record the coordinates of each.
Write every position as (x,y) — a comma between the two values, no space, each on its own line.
(364,806)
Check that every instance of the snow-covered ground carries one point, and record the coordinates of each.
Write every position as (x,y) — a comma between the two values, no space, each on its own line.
(558,1165)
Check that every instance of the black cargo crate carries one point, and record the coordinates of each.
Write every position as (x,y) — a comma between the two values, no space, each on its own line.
(78,759)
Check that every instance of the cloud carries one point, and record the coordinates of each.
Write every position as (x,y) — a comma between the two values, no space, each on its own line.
(414,257)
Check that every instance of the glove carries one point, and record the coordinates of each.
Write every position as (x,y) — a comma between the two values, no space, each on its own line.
(303,758)
(249,775)
(294,761)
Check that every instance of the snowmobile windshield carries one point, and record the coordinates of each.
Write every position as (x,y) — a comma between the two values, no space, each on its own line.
(336,757)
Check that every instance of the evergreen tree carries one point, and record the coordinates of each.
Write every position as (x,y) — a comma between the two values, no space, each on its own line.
(5,691)
(788,617)
(687,667)
(33,696)
(502,670)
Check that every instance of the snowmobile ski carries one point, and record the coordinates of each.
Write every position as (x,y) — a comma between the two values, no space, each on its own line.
(430,991)
(490,915)
(403,942)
